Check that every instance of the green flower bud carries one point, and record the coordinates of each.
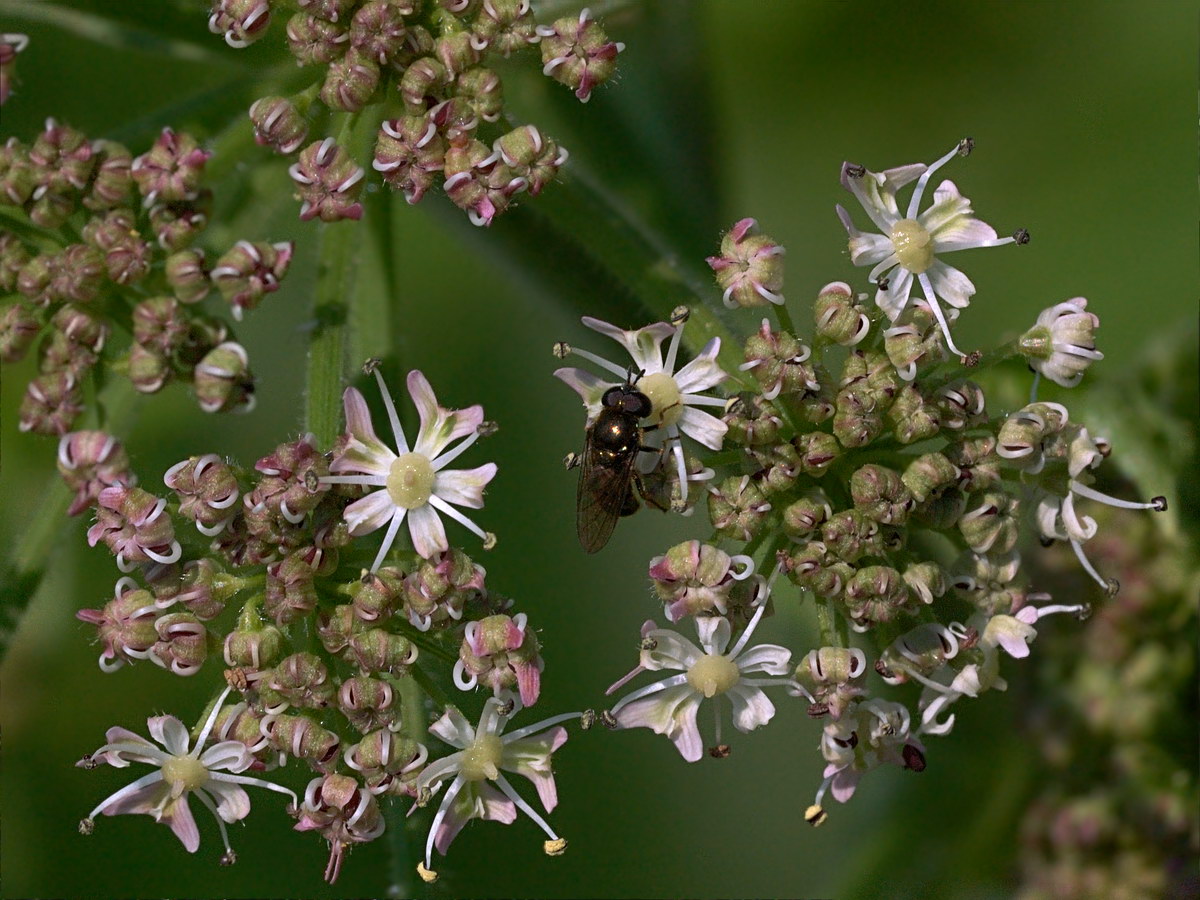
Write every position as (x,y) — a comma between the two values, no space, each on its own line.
(350,82)
(335,627)
(778,362)
(752,421)
(859,418)
(912,417)
(113,178)
(838,316)
(914,342)
(438,591)
(188,276)
(929,474)
(177,224)
(804,516)
(576,52)
(991,525)
(302,738)
(378,594)
(505,26)
(977,461)
(880,493)
(1022,437)
(302,680)
(18,328)
(926,580)
(51,404)
(18,179)
(875,594)
(368,703)
(315,41)
(810,566)
(738,508)
(278,124)
(253,645)
(147,369)
(222,380)
(408,154)
(817,451)
(182,644)
(960,404)
(425,78)
(377,650)
(750,268)
(780,467)
(377,31)
(850,535)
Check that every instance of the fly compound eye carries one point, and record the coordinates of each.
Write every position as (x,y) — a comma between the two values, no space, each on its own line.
(639,404)
(613,397)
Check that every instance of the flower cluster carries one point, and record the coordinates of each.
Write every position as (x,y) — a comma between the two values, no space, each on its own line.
(326,653)
(111,245)
(833,466)
(426,62)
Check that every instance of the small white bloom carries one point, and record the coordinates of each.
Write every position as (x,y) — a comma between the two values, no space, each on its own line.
(870,734)
(415,482)
(484,754)
(180,772)
(669,706)
(1062,344)
(674,393)
(908,246)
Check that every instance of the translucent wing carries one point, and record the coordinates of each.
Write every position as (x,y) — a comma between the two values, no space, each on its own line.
(604,494)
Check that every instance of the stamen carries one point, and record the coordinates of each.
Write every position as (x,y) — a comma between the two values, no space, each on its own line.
(442,506)
(447,800)
(1090,569)
(397,431)
(1158,504)
(389,538)
(745,635)
(440,462)
(540,726)
(915,203)
(655,688)
(931,299)
(603,363)
(212,717)
(510,792)
(624,680)
(212,807)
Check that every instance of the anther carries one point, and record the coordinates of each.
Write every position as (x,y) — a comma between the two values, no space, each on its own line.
(228,858)
(571,460)
(679,315)
(370,365)
(489,541)
(817,710)
(815,816)
(562,349)
(856,171)
(1160,503)
(427,875)
(965,146)
(1021,236)
(608,720)
(587,720)
(488,428)
(720,751)
(649,644)
(87,826)
(556,847)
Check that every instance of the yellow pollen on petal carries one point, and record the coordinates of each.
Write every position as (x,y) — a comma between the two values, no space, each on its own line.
(713,674)
(185,773)
(482,758)
(913,245)
(410,480)
(666,400)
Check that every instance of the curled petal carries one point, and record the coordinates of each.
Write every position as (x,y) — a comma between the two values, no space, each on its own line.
(233,803)
(531,758)
(714,632)
(453,728)
(169,732)
(949,219)
(769,658)
(644,344)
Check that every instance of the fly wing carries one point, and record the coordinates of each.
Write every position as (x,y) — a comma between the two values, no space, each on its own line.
(604,490)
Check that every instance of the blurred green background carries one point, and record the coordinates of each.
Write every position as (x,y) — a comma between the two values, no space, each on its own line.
(1083,115)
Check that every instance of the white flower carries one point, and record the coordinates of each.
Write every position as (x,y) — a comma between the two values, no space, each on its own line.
(908,246)
(872,733)
(415,482)
(478,788)
(673,393)
(1062,344)
(669,706)
(179,772)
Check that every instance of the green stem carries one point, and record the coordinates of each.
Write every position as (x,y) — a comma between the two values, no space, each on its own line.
(830,629)
(426,684)
(401,850)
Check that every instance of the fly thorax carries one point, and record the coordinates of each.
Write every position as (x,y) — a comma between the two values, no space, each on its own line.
(666,400)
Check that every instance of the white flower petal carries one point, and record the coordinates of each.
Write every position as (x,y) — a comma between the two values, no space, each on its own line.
(950,284)
(233,803)
(671,712)
(453,728)
(589,387)
(464,487)
(949,219)
(169,732)
(769,658)
(427,532)
(371,512)
(714,632)
(751,707)
(644,344)
(703,372)
(703,427)
(895,298)
(671,650)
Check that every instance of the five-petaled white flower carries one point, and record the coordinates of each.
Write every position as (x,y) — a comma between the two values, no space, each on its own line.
(415,482)
(673,394)
(163,794)
(669,706)
(478,788)
(908,246)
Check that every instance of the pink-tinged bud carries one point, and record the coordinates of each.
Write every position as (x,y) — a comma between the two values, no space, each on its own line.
(750,268)
(378,594)
(135,525)
(423,85)
(63,159)
(13,258)
(327,182)
(253,646)
(176,225)
(913,417)
(482,90)
(239,722)
(33,280)
(89,462)
(207,490)
(241,21)
(838,316)
(377,31)
(833,675)
(388,763)
(440,588)
(79,274)
(342,812)
(505,26)
(278,124)
(148,370)
(315,42)
(126,255)
(18,178)
(332,10)
(408,154)
(171,170)
(377,650)
(268,524)
(10,46)
(460,8)
(51,210)
(291,483)
(478,181)
(249,271)
(418,44)
(51,404)
(125,625)
(531,156)
(302,738)
(335,627)
(737,508)
(222,380)
(456,121)
(456,52)
(182,644)
(81,328)
(368,703)
(779,363)
(501,653)
(576,52)
(58,354)
(694,578)
(113,178)
(876,594)
(160,324)
(290,592)
(203,590)
(241,548)
(302,680)
(18,327)
(187,275)
(350,82)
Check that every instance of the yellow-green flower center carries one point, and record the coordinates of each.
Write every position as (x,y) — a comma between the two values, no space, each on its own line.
(185,772)
(666,401)
(410,480)
(482,758)
(913,245)
(713,674)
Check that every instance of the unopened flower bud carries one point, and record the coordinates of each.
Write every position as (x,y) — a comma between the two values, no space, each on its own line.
(10,46)
(817,450)
(342,812)
(182,644)
(388,763)
(249,271)
(171,170)
(113,178)
(333,10)
(929,474)
(913,417)
(850,535)
(1062,344)
(992,523)
(914,341)
(135,525)
(576,52)
(858,419)
(378,594)
(301,738)
(440,587)
(478,181)
(838,316)
(500,652)
(424,80)
(750,268)
(960,404)
(160,324)
(505,25)
(125,625)
(811,567)
(752,422)
(18,327)
(203,590)
(253,645)
(126,255)
(79,274)
(926,580)
(177,224)
(368,703)
(63,159)
(147,369)
(51,404)
(242,22)
(377,31)
(207,490)
(328,182)
(456,52)
(350,82)
(314,41)
(302,680)
(187,275)
(737,508)
(804,516)
(90,461)
(833,675)
(694,578)
(290,593)
(377,650)
(408,154)
(223,380)
(13,258)
(875,594)
(278,124)
(880,493)
(779,363)
(1022,439)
